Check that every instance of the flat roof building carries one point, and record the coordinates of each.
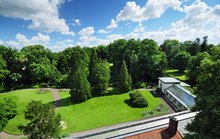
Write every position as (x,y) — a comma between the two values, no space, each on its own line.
(176,94)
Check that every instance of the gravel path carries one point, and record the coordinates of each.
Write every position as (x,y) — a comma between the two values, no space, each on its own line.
(56,96)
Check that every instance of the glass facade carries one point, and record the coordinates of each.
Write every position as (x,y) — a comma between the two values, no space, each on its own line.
(180,94)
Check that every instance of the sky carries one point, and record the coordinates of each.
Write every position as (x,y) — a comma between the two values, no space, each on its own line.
(59,24)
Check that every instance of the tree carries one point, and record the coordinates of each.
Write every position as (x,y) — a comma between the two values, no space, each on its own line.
(44,73)
(194,67)
(3,73)
(80,87)
(151,61)
(204,44)
(100,78)
(167,47)
(207,121)
(181,60)
(137,100)
(102,52)
(124,79)
(195,47)
(8,111)
(79,84)
(43,121)
(93,61)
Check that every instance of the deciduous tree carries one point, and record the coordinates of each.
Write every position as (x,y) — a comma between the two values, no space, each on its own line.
(7,111)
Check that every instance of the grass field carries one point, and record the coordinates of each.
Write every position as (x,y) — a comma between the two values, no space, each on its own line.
(22,98)
(96,112)
(101,111)
(176,74)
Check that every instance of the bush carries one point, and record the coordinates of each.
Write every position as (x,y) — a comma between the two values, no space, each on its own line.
(137,100)
(159,109)
(140,85)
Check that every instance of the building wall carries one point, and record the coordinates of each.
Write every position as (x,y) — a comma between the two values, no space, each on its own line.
(163,86)
(175,102)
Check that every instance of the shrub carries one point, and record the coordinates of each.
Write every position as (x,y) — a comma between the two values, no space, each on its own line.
(137,100)
(159,109)
(140,85)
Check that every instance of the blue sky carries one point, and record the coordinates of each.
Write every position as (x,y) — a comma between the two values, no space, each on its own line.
(58,24)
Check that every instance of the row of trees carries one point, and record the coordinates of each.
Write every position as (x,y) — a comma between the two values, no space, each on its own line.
(145,61)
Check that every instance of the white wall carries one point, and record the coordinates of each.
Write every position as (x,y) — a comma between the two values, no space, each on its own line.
(165,86)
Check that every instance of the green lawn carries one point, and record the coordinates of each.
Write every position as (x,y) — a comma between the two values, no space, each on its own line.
(22,98)
(176,74)
(96,112)
(101,111)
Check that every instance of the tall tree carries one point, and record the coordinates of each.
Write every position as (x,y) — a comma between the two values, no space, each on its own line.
(80,87)
(3,73)
(194,67)
(204,44)
(93,61)
(181,60)
(207,121)
(167,47)
(43,121)
(100,78)
(79,84)
(8,111)
(195,47)
(124,79)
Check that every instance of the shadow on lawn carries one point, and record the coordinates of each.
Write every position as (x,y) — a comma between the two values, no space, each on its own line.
(114,91)
(127,101)
(156,94)
(62,102)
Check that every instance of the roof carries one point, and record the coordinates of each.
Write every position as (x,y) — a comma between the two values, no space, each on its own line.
(133,128)
(169,80)
(184,84)
(182,95)
(161,133)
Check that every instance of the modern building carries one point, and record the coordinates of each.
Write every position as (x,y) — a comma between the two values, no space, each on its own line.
(174,91)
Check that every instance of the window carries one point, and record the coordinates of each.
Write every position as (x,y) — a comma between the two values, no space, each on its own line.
(174,101)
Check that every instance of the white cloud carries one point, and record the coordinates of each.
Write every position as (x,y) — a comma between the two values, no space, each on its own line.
(44,14)
(113,24)
(77,22)
(61,45)
(87,38)
(86,31)
(1,42)
(22,40)
(113,37)
(38,39)
(200,20)
(132,35)
(152,9)
(102,31)
(139,29)
(13,44)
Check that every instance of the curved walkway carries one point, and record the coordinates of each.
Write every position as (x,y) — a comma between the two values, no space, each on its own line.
(55,96)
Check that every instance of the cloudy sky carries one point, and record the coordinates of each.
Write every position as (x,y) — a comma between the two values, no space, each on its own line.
(58,24)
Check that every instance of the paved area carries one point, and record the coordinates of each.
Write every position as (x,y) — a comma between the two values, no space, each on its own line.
(129,129)
(4,135)
(182,125)
(56,96)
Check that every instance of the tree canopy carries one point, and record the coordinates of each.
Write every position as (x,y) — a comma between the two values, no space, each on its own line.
(124,79)
(42,121)
(8,111)
(207,121)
